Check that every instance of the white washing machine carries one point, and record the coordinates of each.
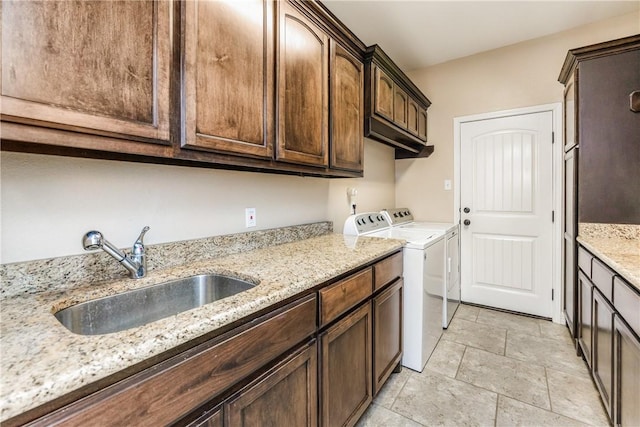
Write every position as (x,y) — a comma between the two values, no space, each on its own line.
(402,218)
(423,255)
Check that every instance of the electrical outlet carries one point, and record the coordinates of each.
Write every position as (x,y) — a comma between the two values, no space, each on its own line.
(250,217)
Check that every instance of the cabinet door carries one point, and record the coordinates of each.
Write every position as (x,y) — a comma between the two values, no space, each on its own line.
(422,125)
(387,333)
(347,110)
(570,231)
(602,366)
(569,107)
(92,67)
(346,369)
(585,290)
(627,375)
(303,80)
(229,76)
(285,396)
(383,94)
(413,116)
(400,103)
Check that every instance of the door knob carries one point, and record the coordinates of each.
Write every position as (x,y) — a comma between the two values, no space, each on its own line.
(467,222)
(467,210)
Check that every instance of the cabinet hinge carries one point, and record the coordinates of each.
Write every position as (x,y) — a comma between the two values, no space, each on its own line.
(552,294)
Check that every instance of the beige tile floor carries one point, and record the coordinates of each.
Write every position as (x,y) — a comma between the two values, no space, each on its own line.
(493,369)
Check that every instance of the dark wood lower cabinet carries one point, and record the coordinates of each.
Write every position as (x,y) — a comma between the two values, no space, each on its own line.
(345,351)
(602,361)
(626,375)
(387,333)
(279,369)
(284,396)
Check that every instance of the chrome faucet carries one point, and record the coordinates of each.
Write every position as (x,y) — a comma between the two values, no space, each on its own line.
(136,263)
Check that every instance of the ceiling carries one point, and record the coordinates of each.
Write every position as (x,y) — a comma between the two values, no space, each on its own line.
(418,34)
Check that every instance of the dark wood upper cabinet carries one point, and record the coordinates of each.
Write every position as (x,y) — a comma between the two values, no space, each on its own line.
(347,110)
(229,76)
(303,80)
(395,109)
(262,85)
(71,66)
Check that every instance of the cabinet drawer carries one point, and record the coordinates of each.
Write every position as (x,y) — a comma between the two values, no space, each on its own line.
(602,278)
(387,271)
(341,296)
(627,302)
(584,260)
(170,390)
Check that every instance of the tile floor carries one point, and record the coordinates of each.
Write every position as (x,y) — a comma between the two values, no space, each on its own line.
(493,369)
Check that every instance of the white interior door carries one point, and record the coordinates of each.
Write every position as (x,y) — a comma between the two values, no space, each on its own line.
(506,197)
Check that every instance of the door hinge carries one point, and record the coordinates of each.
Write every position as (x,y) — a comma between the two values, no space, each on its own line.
(552,294)
(553,137)
(553,216)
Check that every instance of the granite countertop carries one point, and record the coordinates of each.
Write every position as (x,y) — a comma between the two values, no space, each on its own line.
(617,246)
(41,360)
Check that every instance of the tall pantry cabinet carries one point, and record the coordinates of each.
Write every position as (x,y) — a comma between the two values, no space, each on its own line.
(601,186)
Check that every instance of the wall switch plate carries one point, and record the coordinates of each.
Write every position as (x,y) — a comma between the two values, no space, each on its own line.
(447,184)
(250,217)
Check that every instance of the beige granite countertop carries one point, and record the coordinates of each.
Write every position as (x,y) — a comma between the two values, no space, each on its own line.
(616,245)
(41,360)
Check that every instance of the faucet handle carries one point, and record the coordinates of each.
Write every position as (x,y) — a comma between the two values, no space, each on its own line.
(138,245)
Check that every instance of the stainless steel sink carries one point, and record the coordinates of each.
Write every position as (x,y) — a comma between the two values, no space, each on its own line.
(141,306)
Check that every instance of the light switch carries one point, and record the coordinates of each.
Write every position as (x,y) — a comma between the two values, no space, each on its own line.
(447,184)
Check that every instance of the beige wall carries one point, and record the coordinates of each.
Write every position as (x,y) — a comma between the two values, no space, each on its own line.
(521,75)
(49,202)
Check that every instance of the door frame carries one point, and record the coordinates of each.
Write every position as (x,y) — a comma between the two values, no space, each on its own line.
(557,150)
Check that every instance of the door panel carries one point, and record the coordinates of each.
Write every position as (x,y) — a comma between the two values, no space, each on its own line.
(229,54)
(506,177)
(303,91)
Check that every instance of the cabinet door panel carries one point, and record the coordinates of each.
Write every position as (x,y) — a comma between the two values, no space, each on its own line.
(400,102)
(346,369)
(285,396)
(303,89)
(602,366)
(422,125)
(413,114)
(627,375)
(230,76)
(585,289)
(383,95)
(387,333)
(347,110)
(67,65)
